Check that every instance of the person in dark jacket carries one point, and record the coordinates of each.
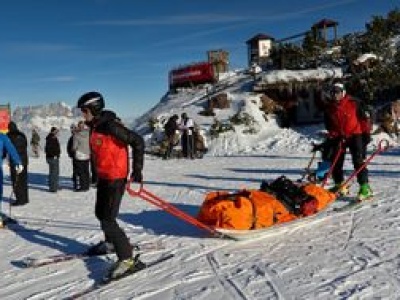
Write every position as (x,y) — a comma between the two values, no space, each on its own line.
(170,130)
(53,151)
(7,148)
(109,141)
(35,143)
(19,181)
(187,141)
(345,129)
(71,155)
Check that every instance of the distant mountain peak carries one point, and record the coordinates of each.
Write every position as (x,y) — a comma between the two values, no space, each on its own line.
(43,117)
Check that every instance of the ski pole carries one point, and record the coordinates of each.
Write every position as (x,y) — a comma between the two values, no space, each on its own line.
(340,151)
(157,201)
(307,169)
(14,186)
(2,220)
(383,145)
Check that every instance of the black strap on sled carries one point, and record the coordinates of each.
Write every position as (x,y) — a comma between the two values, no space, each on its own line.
(287,192)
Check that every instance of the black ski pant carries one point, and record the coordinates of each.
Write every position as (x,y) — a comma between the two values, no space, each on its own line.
(187,143)
(108,201)
(54,173)
(357,150)
(74,177)
(93,170)
(82,174)
(170,146)
(20,185)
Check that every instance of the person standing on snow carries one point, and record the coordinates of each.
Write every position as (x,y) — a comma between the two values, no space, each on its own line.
(81,149)
(345,128)
(71,155)
(19,181)
(109,141)
(6,147)
(170,130)
(53,151)
(35,142)
(186,126)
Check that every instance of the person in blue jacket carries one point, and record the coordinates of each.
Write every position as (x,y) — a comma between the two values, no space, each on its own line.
(6,147)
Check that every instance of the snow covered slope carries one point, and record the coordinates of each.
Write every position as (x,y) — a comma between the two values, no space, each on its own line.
(351,255)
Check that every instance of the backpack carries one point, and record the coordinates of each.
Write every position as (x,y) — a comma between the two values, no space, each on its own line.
(291,195)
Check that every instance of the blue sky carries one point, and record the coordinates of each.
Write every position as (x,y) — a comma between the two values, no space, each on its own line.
(56,50)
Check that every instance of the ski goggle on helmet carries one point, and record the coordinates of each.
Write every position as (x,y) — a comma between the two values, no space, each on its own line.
(92,101)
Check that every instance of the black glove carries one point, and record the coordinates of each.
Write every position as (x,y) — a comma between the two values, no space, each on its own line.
(137,176)
(317,147)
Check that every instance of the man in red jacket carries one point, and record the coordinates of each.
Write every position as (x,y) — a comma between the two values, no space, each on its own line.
(109,141)
(344,125)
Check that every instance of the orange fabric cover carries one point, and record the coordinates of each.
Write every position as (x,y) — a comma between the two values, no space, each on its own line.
(255,210)
(258,210)
(324,197)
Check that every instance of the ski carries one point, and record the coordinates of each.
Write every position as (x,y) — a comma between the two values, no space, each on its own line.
(356,204)
(32,262)
(102,282)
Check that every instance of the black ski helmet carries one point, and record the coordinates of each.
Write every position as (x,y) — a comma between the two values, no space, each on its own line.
(93,101)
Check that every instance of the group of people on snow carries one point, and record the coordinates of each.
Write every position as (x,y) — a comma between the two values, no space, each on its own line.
(102,139)
(189,137)
(348,126)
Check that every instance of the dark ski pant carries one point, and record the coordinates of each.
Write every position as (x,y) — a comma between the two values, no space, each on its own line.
(187,143)
(108,201)
(74,178)
(54,172)
(20,185)
(82,174)
(170,146)
(357,150)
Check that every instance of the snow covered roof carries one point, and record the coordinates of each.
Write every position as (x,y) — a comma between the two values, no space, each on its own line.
(272,78)
(363,58)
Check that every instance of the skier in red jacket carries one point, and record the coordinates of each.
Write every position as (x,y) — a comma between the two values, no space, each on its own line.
(345,127)
(109,141)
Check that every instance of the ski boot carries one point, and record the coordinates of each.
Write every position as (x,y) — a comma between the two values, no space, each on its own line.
(101,248)
(340,189)
(322,170)
(125,267)
(365,192)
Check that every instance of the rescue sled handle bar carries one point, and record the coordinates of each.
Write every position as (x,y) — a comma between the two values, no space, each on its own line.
(168,207)
(383,145)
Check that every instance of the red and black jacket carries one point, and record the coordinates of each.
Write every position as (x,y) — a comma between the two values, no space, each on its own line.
(109,141)
(343,118)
